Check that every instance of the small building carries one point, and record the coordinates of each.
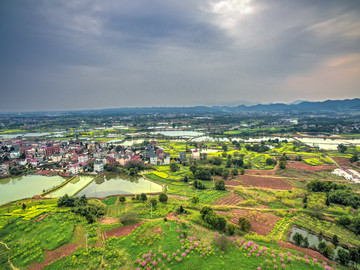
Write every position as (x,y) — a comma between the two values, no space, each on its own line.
(98,166)
(153,159)
(74,169)
(195,154)
(83,158)
(182,156)
(165,159)
(14,154)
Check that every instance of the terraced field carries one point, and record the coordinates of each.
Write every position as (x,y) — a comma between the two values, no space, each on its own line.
(231,199)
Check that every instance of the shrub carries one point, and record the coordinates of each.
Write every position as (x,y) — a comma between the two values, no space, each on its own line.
(244,224)
(222,242)
(220,185)
(198,184)
(163,198)
(329,250)
(122,199)
(343,257)
(298,239)
(230,228)
(143,197)
(195,200)
(153,201)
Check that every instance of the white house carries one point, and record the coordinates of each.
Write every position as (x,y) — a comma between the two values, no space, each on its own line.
(74,169)
(83,158)
(195,154)
(153,159)
(98,166)
(15,154)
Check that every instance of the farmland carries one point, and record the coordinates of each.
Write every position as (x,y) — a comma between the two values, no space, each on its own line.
(224,202)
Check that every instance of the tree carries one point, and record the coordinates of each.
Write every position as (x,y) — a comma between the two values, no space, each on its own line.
(224,148)
(186,179)
(343,256)
(269,161)
(203,174)
(143,197)
(198,184)
(354,254)
(354,158)
(195,200)
(230,228)
(216,161)
(355,223)
(329,250)
(244,224)
(282,164)
(335,239)
(193,168)
(122,199)
(298,239)
(225,174)
(242,171)
(220,185)
(153,201)
(23,206)
(342,148)
(234,172)
(174,167)
(190,175)
(163,198)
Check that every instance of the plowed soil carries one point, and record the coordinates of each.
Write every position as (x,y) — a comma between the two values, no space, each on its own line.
(54,255)
(303,166)
(122,231)
(262,182)
(230,199)
(261,223)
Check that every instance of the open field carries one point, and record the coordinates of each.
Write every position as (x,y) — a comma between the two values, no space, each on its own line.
(262,182)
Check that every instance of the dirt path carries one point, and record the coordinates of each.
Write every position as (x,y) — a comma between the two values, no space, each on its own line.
(11,265)
(177,197)
(54,255)
(312,253)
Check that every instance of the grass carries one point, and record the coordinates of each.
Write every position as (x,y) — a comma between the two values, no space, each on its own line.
(110,200)
(327,228)
(158,238)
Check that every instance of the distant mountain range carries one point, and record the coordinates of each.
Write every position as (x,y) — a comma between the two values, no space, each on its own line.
(301,107)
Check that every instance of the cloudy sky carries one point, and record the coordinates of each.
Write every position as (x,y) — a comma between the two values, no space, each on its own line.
(88,54)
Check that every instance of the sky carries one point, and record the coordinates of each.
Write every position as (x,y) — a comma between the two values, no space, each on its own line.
(87,54)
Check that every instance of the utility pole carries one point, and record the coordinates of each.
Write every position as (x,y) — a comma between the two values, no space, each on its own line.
(86,243)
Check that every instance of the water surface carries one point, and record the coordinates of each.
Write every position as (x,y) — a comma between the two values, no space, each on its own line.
(117,184)
(26,186)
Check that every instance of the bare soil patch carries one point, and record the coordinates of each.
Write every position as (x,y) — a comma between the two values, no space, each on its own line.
(261,223)
(307,167)
(54,255)
(312,253)
(262,182)
(230,199)
(122,231)
(109,220)
(260,172)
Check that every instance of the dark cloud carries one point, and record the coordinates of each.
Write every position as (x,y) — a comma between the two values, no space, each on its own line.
(96,54)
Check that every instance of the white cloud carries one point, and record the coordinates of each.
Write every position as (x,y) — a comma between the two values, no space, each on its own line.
(343,26)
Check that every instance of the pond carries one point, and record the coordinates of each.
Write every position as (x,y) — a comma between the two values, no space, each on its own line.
(313,239)
(117,184)
(178,133)
(327,144)
(72,187)
(27,186)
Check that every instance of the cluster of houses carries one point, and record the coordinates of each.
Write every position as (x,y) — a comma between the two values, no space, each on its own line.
(73,157)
